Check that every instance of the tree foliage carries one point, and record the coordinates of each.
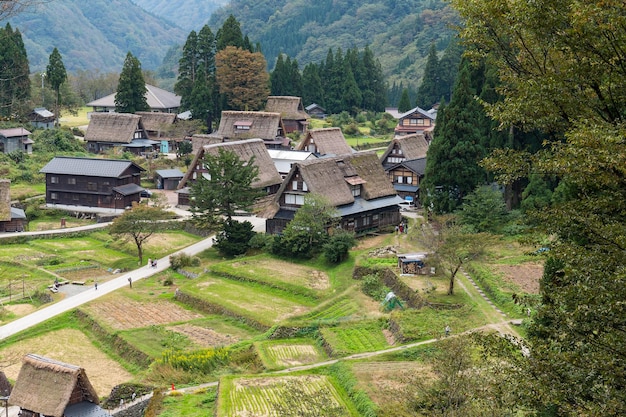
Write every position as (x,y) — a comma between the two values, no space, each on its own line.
(560,63)
(131,88)
(226,188)
(242,78)
(139,224)
(484,210)
(234,239)
(14,73)
(56,75)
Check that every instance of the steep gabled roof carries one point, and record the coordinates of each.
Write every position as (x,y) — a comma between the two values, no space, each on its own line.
(46,386)
(328,141)
(96,167)
(113,127)
(430,114)
(331,177)
(413,146)
(157,98)
(156,121)
(290,108)
(258,124)
(244,149)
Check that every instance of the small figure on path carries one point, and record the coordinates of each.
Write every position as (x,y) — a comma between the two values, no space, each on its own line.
(447,331)
(121,402)
(130,282)
(133,396)
(149,261)
(95,284)
(154,263)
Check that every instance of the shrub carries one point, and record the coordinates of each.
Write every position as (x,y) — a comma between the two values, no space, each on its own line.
(235,238)
(183,260)
(261,241)
(372,286)
(338,247)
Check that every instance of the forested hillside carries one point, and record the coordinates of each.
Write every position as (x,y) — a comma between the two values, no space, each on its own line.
(95,34)
(399,32)
(189,15)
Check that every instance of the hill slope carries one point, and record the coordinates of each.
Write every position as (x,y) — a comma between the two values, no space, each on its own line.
(399,32)
(189,14)
(95,34)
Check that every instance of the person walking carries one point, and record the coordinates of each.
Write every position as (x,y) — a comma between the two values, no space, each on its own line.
(447,330)
(130,282)
(95,285)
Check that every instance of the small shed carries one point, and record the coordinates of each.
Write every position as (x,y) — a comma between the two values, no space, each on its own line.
(412,263)
(47,387)
(42,118)
(168,179)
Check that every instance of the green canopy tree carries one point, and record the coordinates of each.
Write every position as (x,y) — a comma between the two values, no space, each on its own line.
(14,74)
(226,188)
(429,91)
(131,89)
(56,75)
(138,225)
(562,72)
(312,90)
(230,35)
(405,102)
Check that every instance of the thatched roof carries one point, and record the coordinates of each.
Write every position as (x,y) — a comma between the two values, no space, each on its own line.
(332,177)
(5,200)
(199,140)
(290,108)
(156,121)
(413,146)
(5,385)
(237,125)
(327,141)
(244,149)
(113,127)
(47,386)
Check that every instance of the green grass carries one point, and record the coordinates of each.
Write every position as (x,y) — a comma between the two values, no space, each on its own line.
(258,302)
(339,309)
(75,120)
(350,338)
(154,340)
(200,403)
(277,354)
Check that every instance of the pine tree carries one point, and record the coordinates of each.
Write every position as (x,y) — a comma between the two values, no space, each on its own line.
(14,74)
(131,89)
(295,79)
(405,102)
(312,90)
(373,87)
(452,167)
(230,35)
(351,95)
(429,91)
(449,68)
(56,75)
(278,78)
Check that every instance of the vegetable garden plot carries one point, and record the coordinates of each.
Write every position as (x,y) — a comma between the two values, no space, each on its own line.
(284,353)
(355,338)
(267,396)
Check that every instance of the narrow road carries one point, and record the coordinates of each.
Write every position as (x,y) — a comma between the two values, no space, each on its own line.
(74,301)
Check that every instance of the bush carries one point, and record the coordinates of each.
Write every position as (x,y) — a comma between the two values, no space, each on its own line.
(338,247)
(261,241)
(372,286)
(183,260)
(235,238)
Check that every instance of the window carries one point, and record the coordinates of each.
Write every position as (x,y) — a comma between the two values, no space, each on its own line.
(92,186)
(367,221)
(54,180)
(71,181)
(75,197)
(54,196)
(295,199)
(294,185)
(304,186)
(356,190)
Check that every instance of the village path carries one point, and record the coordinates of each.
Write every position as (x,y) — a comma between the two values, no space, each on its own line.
(114,284)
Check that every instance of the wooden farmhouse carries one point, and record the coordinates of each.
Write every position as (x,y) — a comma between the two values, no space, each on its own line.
(159,100)
(240,125)
(119,130)
(12,219)
(268,178)
(416,121)
(168,179)
(316,111)
(158,126)
(49,388)
(355,184)
(16,139)
(295,119)
(92,184)
(41,118)
(404,162)
(325,142)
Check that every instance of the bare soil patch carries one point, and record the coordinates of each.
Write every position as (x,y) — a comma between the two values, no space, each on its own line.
(526,276)
(72,347)
(371,242)
(124,314)
(20,309)
(204,337)
(287,271)
(383,380)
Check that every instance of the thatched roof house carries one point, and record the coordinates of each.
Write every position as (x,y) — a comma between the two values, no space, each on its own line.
(327,141)
(295,119)
(239,125)
(107,130)
(12,219)
(159,100)
(157,123)
(405,148)
(47,387)
(355,184)
(268,177)
(5,385)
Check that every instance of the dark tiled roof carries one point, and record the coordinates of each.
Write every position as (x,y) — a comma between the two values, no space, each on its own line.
(95,167)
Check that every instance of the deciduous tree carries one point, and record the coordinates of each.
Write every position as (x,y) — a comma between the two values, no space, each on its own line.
(242,78)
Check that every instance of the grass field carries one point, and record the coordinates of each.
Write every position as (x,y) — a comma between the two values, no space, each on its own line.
(76,120)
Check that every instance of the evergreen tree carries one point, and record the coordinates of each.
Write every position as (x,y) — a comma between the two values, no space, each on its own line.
(187,69)
(131,89)
(230,35)
(14,74)
(452,167)
(429,91)
(373,86)
(312,90)
(295,79)
(56,75)
(351,95)
(278,78)
(449,68)
(405,102)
